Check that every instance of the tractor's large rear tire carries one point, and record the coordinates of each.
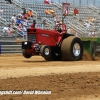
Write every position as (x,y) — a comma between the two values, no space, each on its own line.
(48,54)
(72,48)
(25,54)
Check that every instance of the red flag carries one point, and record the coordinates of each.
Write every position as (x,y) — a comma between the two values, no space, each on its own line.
(76,11)
(46,2)
(65,12)
(65,8)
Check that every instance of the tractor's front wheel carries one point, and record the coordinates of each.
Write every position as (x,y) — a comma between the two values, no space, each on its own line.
(72,48)
(25,54)
(45,52)
(49,54)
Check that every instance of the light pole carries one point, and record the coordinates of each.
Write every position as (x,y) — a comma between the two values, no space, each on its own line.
(79,1)
(94,2)
(87,2)
(73,2)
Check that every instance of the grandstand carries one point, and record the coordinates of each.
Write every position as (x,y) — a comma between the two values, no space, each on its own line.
(38,7)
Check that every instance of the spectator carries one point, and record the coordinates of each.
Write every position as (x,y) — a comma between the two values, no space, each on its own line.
(93,33)
(69,30)
(90,33)
(11,30)
(58,26)
(52,12)
(33,25)
(24,11)
(90,19)
(22,30)
(13,19)
(47,11)
(13,24)
(26,16)
(25,22)
(58,21)
(87,25)
(1,11)
(21,14)
(47,1)
(94,20)
(19,20)
(54,21)
(76,34)
(5,30)
(43,23)
(30,13)
(8,30)
(10,1)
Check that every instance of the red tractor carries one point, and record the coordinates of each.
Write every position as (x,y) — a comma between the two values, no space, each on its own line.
(54,44)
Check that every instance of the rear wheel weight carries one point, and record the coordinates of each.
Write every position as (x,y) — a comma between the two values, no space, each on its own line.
(72,48)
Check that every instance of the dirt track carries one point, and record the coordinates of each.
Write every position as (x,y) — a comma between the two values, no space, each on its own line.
(78,80)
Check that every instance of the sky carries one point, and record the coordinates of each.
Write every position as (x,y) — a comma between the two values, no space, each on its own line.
(94,2)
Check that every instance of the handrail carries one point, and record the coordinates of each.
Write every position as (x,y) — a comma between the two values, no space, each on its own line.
(48,22)
(2,20)
(44,18)
(84,28)
(94,8)
(57,4)
(77,28)
(17,3)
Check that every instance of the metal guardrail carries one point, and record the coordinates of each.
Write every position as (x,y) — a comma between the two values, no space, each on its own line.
(7,49)
(10,49)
